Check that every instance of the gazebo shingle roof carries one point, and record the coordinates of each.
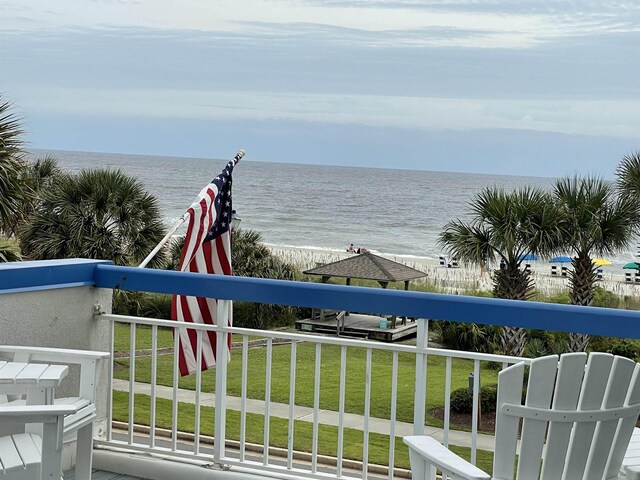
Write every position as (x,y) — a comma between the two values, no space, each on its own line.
(368,266)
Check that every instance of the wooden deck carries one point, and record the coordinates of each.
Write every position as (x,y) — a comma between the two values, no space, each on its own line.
(359,326)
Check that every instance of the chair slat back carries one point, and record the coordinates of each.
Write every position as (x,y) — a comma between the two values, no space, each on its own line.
(595,382)
(615,396)
(590,443)
(542,379)
(568,383)
(626,428)
(510,383)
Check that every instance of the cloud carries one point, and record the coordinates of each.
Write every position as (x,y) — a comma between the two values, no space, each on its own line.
(611,118)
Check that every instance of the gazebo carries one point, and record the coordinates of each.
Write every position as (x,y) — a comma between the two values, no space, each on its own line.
(367,266)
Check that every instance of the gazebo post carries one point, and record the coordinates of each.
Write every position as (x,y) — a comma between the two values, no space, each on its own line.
(393,318)
(406,287)
(324,280)
(348,282)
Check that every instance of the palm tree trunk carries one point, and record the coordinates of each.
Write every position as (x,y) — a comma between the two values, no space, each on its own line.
(583,283)
(514,284)
(513,340)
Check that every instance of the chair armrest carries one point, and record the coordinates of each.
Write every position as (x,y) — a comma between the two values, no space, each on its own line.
(433,453)
(35,413)
(63,355)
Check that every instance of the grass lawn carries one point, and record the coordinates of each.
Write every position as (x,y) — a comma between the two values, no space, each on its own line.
(329,380)
(302,437)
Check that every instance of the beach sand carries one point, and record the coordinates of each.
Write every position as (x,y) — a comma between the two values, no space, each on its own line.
(457,280)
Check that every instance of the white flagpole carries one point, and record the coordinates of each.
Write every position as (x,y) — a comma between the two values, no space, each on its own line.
(183,219)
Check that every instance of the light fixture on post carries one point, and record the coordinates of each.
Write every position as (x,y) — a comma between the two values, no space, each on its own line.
(235,220)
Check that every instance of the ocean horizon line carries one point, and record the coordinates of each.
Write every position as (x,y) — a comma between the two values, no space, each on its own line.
(359,167)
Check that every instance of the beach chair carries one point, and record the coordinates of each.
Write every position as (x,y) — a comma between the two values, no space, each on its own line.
(527,267)
(577,419)
(27,456)
(628,278)
(554,271)
(637,277)
(443,261)
(564,271)
(454,263)
(599,274)
(79,425)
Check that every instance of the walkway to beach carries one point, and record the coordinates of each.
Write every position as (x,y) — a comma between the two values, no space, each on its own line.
(305,414)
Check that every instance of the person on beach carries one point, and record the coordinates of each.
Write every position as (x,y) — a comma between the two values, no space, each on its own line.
(362,250)
(351,249)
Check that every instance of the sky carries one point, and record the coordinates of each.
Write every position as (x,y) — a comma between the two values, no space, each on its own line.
(544,88)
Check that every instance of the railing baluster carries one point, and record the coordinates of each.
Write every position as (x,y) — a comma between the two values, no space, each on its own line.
(392,414)
(174,407)
(419,400)
(474,415)
(132,379)
(447,400)
(196,426)
(154,379)
(267,402)
(343,379)
(112,334)
(292,403)
(316,410)
(243,396)
(222,335)
(367,412)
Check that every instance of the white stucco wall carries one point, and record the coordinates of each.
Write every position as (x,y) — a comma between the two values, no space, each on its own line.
(61,318)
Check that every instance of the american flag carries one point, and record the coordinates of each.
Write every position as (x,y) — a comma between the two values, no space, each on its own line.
(207,249)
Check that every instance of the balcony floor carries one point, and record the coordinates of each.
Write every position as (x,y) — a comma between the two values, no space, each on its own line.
(100,475)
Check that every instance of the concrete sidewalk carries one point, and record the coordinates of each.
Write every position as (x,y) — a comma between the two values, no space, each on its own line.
(305,414)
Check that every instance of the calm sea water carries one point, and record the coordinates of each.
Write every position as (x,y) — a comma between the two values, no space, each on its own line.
(325,207)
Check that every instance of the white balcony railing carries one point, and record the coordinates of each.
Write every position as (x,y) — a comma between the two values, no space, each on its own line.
(317,463)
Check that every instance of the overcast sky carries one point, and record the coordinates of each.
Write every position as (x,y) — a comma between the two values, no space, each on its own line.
(540,87)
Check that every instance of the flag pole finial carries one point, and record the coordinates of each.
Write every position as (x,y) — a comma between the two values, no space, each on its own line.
(238,156)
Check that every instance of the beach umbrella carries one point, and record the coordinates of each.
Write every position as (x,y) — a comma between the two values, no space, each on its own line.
(601,261)
(632,265)
(529,256)
(560,259)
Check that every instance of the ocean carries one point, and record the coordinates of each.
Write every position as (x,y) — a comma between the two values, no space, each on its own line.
(390,211)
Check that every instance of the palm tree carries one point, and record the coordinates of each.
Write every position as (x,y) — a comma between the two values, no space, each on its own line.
(595,221)
(12,165)
(101,214)
(628,173)
(35,177)
(9,251)
(505,227)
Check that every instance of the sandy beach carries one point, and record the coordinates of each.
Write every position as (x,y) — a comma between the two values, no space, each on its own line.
(457,280)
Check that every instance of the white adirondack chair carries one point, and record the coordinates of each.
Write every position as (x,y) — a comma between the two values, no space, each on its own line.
(27,456)
(79,425)
(577,421)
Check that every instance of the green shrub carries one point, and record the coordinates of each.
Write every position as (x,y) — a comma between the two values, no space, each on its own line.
(625,348)
(142,304)
(471,337)
(462,399)
(535,348)
(605,298)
